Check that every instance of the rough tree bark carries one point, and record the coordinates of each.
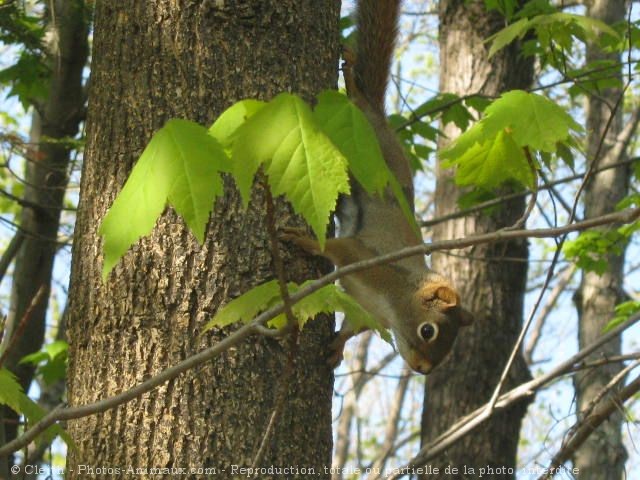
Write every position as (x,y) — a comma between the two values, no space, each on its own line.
(603,454)
(153,61)
(490,278)
(46,178)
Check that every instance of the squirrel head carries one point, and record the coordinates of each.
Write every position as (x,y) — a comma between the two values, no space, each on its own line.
(432,325)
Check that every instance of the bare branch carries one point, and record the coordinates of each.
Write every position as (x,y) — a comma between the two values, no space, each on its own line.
(470,422)
(624,216)
(504,198)
(587,425)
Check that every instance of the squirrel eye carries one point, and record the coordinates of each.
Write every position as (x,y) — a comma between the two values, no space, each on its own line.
(428,331)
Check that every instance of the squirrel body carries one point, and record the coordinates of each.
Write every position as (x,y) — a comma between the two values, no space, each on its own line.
(420,307)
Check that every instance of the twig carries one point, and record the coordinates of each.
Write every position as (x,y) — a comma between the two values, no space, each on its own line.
(470,422)
(393,419)
(245,331)
(10,253)
(343,431)
(586,426)
(11,338)
(558,289)
(534,193)
(285,379)
(505,198)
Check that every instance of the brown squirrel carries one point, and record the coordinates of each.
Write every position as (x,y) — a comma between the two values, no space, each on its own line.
(420,306)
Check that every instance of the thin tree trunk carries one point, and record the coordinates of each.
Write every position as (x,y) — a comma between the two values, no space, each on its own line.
(46,181)
(602,455)
(492,288)
(153,61)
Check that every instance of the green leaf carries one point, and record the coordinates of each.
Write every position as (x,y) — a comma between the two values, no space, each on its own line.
(329,299)
(300,161)
(11,394)
(349,130)
(494,162)
(246,306)
(623,312)
(226,126)
(181,166)
(490,152)
(507,35)
(557,28)
(591,249)
(425,130)
(54,349)
(34,358)
(10,391)
(536,121)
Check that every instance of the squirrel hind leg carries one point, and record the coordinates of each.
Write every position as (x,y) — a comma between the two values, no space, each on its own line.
(336,352)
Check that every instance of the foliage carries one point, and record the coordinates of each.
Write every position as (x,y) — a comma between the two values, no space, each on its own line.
(50,362)
(554,31)
(306,156)
(28,76)
(12,395)
(623,312)
(494,150)
(180,166)
(328,299)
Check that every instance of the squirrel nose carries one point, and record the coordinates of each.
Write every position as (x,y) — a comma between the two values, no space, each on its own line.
(422,366)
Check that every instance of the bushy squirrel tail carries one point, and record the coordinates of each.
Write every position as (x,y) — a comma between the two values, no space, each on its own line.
(377,27)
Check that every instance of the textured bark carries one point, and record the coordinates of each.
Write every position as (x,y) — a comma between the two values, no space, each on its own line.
(490,282)
(153,61)
(46,181)
(603,454)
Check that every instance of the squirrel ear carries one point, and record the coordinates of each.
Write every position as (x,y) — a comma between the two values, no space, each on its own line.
(448,295)
(439,293)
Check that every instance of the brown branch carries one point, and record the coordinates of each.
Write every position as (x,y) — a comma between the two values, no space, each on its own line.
(587,425)
(10,253)
(12,338)
(470,422)
(505,198)
(624,216)
(285,379)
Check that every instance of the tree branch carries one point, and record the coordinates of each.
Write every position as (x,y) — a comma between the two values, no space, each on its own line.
(470,422)
(624,216)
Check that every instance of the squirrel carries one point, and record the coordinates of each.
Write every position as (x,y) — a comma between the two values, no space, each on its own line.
(420,307)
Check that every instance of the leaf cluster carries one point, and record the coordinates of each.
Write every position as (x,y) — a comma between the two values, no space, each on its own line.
(328,299)
(306,155)
(502,146)
(554,32)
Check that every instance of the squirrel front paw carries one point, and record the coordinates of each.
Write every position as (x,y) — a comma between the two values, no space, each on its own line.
(300,238)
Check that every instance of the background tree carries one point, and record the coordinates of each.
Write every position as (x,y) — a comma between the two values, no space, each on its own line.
(491,278)
(603,454)
(151,62)
(57,98)
(377,404)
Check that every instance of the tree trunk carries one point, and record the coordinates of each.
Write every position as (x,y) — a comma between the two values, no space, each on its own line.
(602,455)
(46,181)
(490,278)
(153,61)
